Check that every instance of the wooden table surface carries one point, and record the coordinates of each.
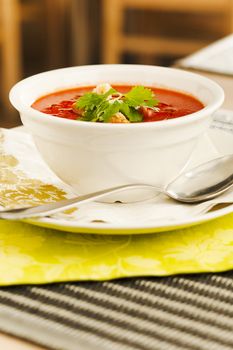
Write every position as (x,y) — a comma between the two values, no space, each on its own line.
(12,343)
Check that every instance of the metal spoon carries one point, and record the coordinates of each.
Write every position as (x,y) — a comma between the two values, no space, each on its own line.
(202,183)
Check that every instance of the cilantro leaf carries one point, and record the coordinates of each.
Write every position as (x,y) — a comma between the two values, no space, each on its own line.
(134,116)
(140,96)
(124,109)
(106,110)
(89,101)
(131,113)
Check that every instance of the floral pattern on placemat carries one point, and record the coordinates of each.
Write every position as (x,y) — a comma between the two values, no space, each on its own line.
(36,255)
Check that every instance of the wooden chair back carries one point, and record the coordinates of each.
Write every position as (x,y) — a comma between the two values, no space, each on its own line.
(116,41)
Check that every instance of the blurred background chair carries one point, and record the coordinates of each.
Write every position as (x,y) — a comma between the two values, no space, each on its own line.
(10,47)
(162,28)
(32,39)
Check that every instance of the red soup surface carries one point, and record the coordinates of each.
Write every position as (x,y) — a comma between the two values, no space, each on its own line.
(172,104)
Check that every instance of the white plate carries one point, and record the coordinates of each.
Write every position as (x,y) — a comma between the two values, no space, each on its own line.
(216,143)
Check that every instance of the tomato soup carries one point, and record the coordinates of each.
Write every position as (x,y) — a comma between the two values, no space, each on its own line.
(170,104)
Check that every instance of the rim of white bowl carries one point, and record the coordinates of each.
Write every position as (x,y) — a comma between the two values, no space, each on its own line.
(208,109)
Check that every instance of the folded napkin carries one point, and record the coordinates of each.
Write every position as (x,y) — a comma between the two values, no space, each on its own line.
(216,58)
(30,254)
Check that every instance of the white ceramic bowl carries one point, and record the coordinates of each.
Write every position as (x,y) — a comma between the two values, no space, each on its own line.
(92,156)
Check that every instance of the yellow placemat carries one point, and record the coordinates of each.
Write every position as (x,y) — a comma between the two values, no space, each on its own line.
(31,254)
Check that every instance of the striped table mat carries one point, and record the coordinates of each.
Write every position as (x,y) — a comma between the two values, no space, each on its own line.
(173,313)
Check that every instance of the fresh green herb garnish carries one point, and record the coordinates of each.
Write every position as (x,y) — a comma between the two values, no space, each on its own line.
(140,96)
(102,107)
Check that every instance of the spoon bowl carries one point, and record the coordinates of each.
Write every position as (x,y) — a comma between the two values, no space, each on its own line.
(203,182)
(199,184)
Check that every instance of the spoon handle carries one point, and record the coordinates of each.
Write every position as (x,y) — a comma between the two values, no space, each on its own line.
(52,208)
